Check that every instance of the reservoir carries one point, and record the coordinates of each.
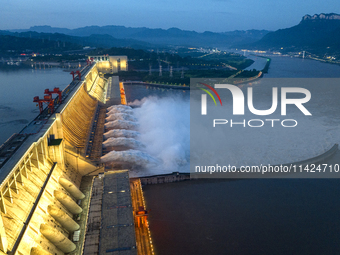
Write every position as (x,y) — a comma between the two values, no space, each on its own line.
(18,86)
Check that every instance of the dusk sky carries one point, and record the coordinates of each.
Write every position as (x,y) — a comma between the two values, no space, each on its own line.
(198,15)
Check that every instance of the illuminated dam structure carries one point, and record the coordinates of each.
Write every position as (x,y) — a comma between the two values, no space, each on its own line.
(52,200)
(111,64)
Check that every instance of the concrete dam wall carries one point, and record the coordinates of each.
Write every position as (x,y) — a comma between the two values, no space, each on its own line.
(42,200)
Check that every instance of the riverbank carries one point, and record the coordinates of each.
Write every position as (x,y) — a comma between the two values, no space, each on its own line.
(259,75)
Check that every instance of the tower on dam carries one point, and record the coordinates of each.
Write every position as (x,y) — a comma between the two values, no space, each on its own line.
(110,64)
(49,174)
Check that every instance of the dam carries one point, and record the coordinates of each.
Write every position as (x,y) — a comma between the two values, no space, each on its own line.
(56,197)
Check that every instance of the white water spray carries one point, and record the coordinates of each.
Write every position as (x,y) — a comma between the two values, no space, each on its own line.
(123,142)
(164,127)
(121,124)
(121,116)
(130,158)
(120,106)
(121,133)
(126,111)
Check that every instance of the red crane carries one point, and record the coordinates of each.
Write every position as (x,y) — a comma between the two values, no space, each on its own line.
(73,73)
(79,75)
(54,91)
(47,100)
(89,61)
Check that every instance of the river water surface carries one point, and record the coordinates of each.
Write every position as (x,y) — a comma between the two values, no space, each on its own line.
(17,89)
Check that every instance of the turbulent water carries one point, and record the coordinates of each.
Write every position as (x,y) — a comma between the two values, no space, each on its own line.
(123,142)
(121,116)
(129,158)
(119,108)
(121,124)
(121,133)
(164,124)
(162,139)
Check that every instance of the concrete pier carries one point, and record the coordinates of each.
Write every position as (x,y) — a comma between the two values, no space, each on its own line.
(63,218)
(71,188)
(57,238)
(39,251)
(67,202)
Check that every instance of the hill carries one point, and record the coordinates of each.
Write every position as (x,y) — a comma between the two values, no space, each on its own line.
(13,45)
(95,40)
(319,34)
(164,37)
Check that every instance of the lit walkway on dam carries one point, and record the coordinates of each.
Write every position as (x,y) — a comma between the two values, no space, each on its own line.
(144,242)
